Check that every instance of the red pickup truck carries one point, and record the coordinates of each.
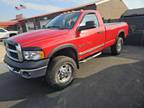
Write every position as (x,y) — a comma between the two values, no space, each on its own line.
(56,51)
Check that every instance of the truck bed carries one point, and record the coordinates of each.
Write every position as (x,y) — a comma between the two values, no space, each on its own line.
(116,24)
(112,30)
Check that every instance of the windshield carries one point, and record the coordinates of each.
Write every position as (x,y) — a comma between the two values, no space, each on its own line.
(63,21)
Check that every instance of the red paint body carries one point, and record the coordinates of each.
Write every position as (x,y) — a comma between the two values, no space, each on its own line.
(87,40)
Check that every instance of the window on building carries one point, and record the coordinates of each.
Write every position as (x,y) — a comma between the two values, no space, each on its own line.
(30,26)
(44,22)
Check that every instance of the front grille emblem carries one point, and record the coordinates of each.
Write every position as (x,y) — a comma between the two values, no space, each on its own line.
(13,51)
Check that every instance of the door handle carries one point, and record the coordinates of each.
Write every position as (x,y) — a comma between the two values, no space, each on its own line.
(100,32)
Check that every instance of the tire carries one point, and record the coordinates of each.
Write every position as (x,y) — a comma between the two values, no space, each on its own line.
(61,72)
(116,49)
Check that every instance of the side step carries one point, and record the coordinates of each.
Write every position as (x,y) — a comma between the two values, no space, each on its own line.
(91,57)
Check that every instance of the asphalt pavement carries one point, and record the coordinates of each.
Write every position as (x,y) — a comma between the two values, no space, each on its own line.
(104,82)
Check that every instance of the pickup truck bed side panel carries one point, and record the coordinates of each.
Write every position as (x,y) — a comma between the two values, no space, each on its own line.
(112,32)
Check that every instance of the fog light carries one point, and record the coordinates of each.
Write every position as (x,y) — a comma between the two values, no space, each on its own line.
(26,74)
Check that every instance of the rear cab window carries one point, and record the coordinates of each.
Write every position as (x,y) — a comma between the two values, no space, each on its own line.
(89,17)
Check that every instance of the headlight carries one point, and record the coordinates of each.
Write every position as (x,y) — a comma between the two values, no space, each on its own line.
(33,55)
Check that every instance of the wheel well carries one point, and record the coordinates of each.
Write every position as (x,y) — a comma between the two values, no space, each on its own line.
(70,52)
(122,34)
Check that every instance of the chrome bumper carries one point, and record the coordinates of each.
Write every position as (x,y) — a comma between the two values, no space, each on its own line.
(29,73)
(27,69)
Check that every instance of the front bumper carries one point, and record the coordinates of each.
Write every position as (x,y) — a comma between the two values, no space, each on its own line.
(27,69)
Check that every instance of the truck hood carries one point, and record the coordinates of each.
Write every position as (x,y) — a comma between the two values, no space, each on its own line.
(37,35)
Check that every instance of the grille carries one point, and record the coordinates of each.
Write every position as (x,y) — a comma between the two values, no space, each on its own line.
(14,55)
(13,51)
(13,47)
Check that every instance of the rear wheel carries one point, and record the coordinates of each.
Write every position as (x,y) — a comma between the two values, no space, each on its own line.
(116,49)
(61,71)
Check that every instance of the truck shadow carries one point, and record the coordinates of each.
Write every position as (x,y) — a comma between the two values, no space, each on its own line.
(119,86)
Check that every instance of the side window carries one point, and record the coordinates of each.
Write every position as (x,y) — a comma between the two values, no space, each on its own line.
(1,30)
(89,17)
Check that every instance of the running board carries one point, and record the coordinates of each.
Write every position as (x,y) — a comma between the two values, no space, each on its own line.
(91,57)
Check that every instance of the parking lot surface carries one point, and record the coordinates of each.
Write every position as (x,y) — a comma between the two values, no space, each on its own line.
(104,82)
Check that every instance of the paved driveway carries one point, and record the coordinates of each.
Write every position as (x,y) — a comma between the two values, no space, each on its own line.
(104,82)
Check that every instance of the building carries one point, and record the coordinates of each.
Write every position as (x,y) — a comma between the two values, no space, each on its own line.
(8,24)
(109,9)
(135,20)
(12,24)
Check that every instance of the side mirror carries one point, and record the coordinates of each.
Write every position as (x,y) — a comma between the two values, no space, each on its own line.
(89,25)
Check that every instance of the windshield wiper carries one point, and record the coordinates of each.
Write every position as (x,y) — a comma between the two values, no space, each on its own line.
(56,27)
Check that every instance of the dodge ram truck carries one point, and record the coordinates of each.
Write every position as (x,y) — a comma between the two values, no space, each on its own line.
(56,51)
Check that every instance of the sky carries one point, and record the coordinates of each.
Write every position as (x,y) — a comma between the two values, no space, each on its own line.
(37,7)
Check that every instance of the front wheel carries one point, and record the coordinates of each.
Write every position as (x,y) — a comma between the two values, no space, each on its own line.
(116,49)
(61,71)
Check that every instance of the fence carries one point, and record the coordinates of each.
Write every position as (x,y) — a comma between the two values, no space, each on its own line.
(135,38)
(136,30)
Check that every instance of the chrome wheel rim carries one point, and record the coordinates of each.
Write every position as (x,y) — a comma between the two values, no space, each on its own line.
(119,45)
(64,73)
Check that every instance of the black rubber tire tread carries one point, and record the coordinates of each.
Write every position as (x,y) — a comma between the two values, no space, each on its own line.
(114,50)
(54,65)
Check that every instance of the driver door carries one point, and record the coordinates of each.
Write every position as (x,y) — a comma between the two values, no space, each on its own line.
(91,39)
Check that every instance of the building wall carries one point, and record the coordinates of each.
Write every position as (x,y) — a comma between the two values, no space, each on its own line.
(135,23)
(2,27)
(112,9)
(136,31)
(29,26)
(43,23)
